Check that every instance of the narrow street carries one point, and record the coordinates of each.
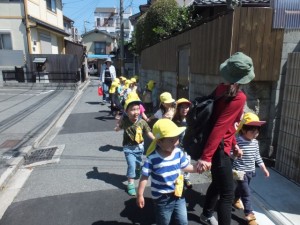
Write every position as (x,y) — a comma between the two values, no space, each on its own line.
(87,185)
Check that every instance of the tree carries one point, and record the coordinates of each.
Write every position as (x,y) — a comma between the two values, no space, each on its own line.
(162,19)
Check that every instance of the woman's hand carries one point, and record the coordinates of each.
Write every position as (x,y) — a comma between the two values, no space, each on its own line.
(203,166)
(237,152)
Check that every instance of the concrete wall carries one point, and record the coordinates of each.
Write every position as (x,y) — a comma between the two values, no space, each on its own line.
(11,15)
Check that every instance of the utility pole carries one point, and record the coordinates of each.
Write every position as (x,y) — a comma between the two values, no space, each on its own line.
(121,37)
(84,22)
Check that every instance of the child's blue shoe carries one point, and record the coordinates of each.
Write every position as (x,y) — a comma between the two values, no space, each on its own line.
(131,189)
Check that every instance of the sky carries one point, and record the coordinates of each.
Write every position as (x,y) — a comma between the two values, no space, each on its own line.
(83,10)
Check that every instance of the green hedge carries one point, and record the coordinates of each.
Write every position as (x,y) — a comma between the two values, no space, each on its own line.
(163,18)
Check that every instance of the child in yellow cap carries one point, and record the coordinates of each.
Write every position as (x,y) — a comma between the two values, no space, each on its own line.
(248,131)
(182,109)
(114,109)
(133,142)
(167,107)
(164,164)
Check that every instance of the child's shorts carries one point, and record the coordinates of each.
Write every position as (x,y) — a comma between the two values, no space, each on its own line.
(133,155)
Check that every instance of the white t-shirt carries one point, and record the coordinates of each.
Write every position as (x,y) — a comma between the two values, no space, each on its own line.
(169,114)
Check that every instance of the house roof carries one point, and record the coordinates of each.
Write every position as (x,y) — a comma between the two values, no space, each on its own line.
(98,31)
(48,26)
(105,10)
(223,2)
(68,19)
(133,19)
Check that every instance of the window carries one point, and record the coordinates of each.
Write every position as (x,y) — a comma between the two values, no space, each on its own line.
(51,5)
(100,48)
(105,24)
(5,41)
(98,22)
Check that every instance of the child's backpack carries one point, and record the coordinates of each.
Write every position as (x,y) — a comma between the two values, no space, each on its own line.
(199,125)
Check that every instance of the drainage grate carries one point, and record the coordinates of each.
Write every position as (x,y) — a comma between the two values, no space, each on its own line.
(40,155)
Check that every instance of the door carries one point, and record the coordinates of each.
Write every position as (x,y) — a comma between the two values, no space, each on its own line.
(46,46)
(183,76)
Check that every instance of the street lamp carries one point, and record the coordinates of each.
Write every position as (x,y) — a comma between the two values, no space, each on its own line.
(122,37)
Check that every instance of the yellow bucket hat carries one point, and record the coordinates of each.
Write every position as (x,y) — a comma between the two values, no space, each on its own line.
(131,100)
(113,87)
(250,119)
(122,78)
(133,95)
(166,97)
(150,84)
(164,128)
(183,100)
(127,83)
(133,80)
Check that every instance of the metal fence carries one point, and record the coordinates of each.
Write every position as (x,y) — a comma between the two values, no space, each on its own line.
(288,149)
(41,77)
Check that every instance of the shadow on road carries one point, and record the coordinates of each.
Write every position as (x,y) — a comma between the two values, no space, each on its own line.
(137,215)
(106,148)
(101,222)
(105,118)
(93,103)
(109,178)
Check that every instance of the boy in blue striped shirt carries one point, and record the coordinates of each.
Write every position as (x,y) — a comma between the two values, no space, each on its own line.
(248,131)
(164,163)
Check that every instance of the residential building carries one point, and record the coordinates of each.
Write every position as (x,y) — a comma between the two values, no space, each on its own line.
(71,30)
(108,19)
(99,46)
(39,24)
(44,20)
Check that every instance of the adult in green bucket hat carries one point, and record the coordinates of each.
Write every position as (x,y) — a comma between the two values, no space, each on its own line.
(227,112)
(238,69)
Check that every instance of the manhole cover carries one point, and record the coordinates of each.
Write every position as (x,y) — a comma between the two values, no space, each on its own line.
(40,155)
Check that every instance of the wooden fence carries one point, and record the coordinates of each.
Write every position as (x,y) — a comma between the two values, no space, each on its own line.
(54,62)
(245,29)
(288,149)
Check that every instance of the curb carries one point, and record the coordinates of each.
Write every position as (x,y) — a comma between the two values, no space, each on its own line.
(15,164)
(41,137)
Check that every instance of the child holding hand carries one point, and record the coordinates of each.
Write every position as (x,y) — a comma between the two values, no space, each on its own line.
(164,165)
(248,131)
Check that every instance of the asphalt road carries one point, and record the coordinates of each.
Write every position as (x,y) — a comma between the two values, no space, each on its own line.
(87,186)
(24,114)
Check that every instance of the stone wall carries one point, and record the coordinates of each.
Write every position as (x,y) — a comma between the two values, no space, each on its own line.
(258,95)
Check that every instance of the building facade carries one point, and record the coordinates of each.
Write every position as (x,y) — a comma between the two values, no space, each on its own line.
(108,19)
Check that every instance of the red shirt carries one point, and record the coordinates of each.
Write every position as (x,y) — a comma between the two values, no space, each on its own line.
(226,116)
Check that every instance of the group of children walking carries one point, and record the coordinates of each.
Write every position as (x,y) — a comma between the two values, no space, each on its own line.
(166,162)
